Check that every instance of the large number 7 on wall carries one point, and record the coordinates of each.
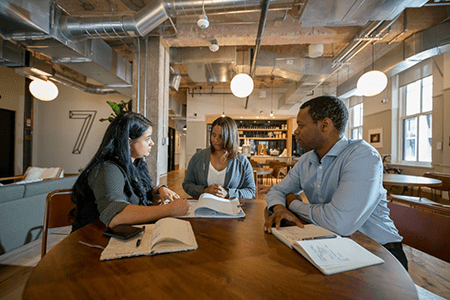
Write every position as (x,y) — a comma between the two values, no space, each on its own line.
(88,116)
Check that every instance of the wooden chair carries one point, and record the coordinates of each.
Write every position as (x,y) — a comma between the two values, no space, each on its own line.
(444,187)
(58,209)
(255,177)
(279,170)
(254,163)
(426,230)
(37,173)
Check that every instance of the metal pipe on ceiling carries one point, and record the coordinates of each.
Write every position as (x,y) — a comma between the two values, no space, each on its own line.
(85,87)
(154,14)
(262,25)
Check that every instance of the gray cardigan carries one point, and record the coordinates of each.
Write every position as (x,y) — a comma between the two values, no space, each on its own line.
(239,179)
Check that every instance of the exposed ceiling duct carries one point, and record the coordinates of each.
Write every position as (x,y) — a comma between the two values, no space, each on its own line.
(416,48)
(153,14)
(35,26)
(11,54)
(77,42)
(346,13)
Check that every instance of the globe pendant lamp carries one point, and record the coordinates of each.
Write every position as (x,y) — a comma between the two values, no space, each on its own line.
(373,82)
(43,90)
(241,85)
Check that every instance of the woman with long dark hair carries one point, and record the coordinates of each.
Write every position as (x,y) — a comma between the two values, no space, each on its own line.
(220,169)
(116,186)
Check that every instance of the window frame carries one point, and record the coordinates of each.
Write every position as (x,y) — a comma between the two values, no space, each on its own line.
(402,117)
(351,125)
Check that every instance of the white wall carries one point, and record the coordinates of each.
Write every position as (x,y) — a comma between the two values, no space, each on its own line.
(55,133)
(12,87)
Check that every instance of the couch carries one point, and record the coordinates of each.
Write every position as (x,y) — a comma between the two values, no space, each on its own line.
(22,210)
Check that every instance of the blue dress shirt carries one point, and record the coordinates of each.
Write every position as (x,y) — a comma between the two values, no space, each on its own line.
(344,189)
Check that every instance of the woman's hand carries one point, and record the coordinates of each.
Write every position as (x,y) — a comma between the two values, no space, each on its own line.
(178,207)
(216,190)
(167,194)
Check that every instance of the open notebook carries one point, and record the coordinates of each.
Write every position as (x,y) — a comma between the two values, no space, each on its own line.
(327,251)
(165,236)
(210,206)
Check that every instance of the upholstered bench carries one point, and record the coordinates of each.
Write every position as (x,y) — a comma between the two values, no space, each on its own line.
(22,210)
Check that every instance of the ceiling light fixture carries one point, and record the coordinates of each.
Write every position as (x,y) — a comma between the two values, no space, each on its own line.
(203,22)
(214,47)
(242,84)
(315,50)
(373,82)
(43,90)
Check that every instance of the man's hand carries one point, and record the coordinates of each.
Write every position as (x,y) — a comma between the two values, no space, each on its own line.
(292,197)
(279,213)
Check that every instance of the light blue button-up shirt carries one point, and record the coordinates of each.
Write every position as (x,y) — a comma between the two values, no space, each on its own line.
(344,189)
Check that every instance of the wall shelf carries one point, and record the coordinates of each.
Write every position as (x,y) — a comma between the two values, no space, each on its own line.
(274,134)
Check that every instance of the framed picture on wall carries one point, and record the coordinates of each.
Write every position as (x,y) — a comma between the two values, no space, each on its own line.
(376,137)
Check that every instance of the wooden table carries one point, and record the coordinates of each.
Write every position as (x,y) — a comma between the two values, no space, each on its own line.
(235,259)
(409,181)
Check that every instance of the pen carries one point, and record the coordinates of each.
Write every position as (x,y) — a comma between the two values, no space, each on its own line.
(319,237)
(138,242)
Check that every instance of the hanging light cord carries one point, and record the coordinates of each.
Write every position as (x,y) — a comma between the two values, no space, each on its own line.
(223,100)
(373,54)
(271,101)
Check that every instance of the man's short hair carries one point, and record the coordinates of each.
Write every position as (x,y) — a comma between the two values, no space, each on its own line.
(328,107)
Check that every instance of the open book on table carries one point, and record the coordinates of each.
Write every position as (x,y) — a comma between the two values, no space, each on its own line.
(326,250)
(210,206)
(165,236)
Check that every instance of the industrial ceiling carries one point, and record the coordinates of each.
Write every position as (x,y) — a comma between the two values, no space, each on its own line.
(91,44)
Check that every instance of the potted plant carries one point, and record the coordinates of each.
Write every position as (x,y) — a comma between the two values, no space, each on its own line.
(117,109)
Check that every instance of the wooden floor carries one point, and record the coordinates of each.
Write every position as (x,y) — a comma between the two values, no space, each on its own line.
(431,275)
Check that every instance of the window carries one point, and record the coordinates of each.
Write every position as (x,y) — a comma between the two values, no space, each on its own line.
(356,122)
(416,120)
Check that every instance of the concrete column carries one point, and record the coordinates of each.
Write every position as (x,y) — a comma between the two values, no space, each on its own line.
(151,94)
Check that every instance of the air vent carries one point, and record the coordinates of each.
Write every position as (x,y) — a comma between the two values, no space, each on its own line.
(11,55)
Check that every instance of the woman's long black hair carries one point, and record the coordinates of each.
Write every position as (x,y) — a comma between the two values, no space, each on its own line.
(115,147)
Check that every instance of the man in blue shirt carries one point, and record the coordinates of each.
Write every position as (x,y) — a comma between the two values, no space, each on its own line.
(341,178)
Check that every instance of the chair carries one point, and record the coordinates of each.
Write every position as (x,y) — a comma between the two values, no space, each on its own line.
(255,177)
(445,186)
(254,163)
(425,230)
(279,170)
(36,173)
(58,209)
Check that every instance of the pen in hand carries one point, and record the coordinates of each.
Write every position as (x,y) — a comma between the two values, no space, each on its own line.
(319,237)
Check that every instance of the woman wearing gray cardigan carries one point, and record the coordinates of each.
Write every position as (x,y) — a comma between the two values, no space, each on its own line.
(220,170)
